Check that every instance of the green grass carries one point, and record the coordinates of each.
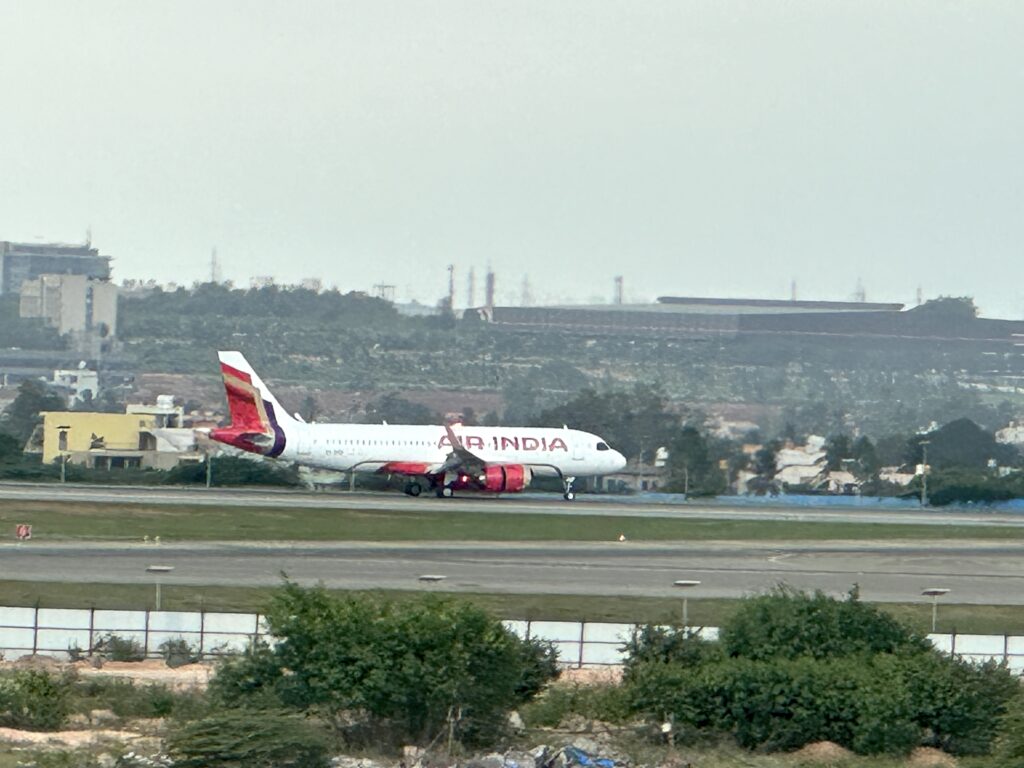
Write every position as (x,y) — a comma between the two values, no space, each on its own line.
(963,618)
(56,521)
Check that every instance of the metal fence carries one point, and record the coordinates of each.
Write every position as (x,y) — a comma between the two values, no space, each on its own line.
(53,631)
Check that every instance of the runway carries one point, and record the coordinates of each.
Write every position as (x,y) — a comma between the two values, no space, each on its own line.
(981,572)
(976,572)
(533,503)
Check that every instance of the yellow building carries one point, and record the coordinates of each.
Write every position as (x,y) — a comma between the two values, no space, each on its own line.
(117,440)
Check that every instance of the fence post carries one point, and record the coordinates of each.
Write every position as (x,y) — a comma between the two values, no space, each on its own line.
(145,636)
(202,632)
(35,631)
(583,629)
(92,626)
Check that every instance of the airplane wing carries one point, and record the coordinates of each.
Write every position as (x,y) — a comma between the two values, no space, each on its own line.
(461,458)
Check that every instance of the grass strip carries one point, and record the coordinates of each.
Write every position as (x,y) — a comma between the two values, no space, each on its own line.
(62,521)
(952,617)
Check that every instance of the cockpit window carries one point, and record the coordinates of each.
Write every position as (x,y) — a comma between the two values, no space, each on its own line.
(603,447)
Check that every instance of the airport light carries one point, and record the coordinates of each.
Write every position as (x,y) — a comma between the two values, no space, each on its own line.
(158,571)
(934,593)
(430,578)
(685,584)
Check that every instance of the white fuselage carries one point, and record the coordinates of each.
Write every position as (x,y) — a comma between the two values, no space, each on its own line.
(371,447)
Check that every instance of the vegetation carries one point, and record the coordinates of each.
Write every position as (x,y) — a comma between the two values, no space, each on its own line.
(794,668)
(250,738)
(417,670)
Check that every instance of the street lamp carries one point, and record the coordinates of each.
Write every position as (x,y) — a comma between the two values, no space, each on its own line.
(934,593)
(685,584)
(62,446)
(159,570)
(924,471)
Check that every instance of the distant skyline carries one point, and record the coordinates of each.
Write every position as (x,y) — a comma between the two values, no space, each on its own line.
(699,148)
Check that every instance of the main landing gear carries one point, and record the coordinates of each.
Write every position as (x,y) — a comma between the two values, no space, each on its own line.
(412,488)
(568,494)
(444,492)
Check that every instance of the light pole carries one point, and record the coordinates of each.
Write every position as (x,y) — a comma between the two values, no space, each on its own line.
(924,471)
(685,584)
(934,593)
(159,570)
(62,446)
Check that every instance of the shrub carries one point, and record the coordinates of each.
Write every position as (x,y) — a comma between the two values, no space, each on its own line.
(787,623)
(668,645)
(780,705)
(177,653)
(129,700)
(116,648)
(250,738)
(413,668)
(604,702)
(34,700)
(1009,746)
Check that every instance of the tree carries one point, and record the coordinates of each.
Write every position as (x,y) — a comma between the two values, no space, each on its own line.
(10,448)
(764,459)
(692,468)
(837,449)
(960,443)
(419,669)
(395,409)
(22,416)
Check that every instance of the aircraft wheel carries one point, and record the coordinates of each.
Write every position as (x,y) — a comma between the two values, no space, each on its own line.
(413,489)
(568,495)
(447,492)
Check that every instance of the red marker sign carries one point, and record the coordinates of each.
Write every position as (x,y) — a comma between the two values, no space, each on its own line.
(23,532)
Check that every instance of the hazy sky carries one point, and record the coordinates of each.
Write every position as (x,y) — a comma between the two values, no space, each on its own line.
(697,148)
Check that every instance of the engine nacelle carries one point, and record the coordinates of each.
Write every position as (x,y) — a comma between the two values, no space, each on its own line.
(508,478)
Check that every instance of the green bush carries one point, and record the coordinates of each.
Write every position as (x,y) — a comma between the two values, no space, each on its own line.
(959,704)
(795,668)
(128,700)
(250,738)
(668,645)
(34,700)
(412,668)
(1009,746)
(782,704)
(787,623)
(177,653)
(604,702)
(116,648)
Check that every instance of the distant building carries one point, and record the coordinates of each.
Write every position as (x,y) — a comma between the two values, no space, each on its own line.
(27,261)
(81,385)
(145,436)
(71,303)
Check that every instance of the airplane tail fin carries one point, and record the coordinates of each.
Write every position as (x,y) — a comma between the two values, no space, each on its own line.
(256,415)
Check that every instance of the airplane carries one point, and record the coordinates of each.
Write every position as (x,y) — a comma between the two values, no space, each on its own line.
(444,459)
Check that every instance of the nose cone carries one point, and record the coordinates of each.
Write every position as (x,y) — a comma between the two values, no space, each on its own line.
(617,461)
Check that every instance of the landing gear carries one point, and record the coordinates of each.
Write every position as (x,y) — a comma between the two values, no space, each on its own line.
(444,492)
(568,494)
(413,488)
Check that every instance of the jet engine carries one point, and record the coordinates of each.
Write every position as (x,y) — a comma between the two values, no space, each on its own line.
(510,478)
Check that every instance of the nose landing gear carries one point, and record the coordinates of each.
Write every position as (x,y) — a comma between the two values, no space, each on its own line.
(568,493)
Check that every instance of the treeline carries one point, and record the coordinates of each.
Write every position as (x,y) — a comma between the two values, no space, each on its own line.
(356,342)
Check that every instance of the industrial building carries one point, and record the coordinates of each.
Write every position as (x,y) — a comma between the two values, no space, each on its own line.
(71,303)
(28,261)
(943,320)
